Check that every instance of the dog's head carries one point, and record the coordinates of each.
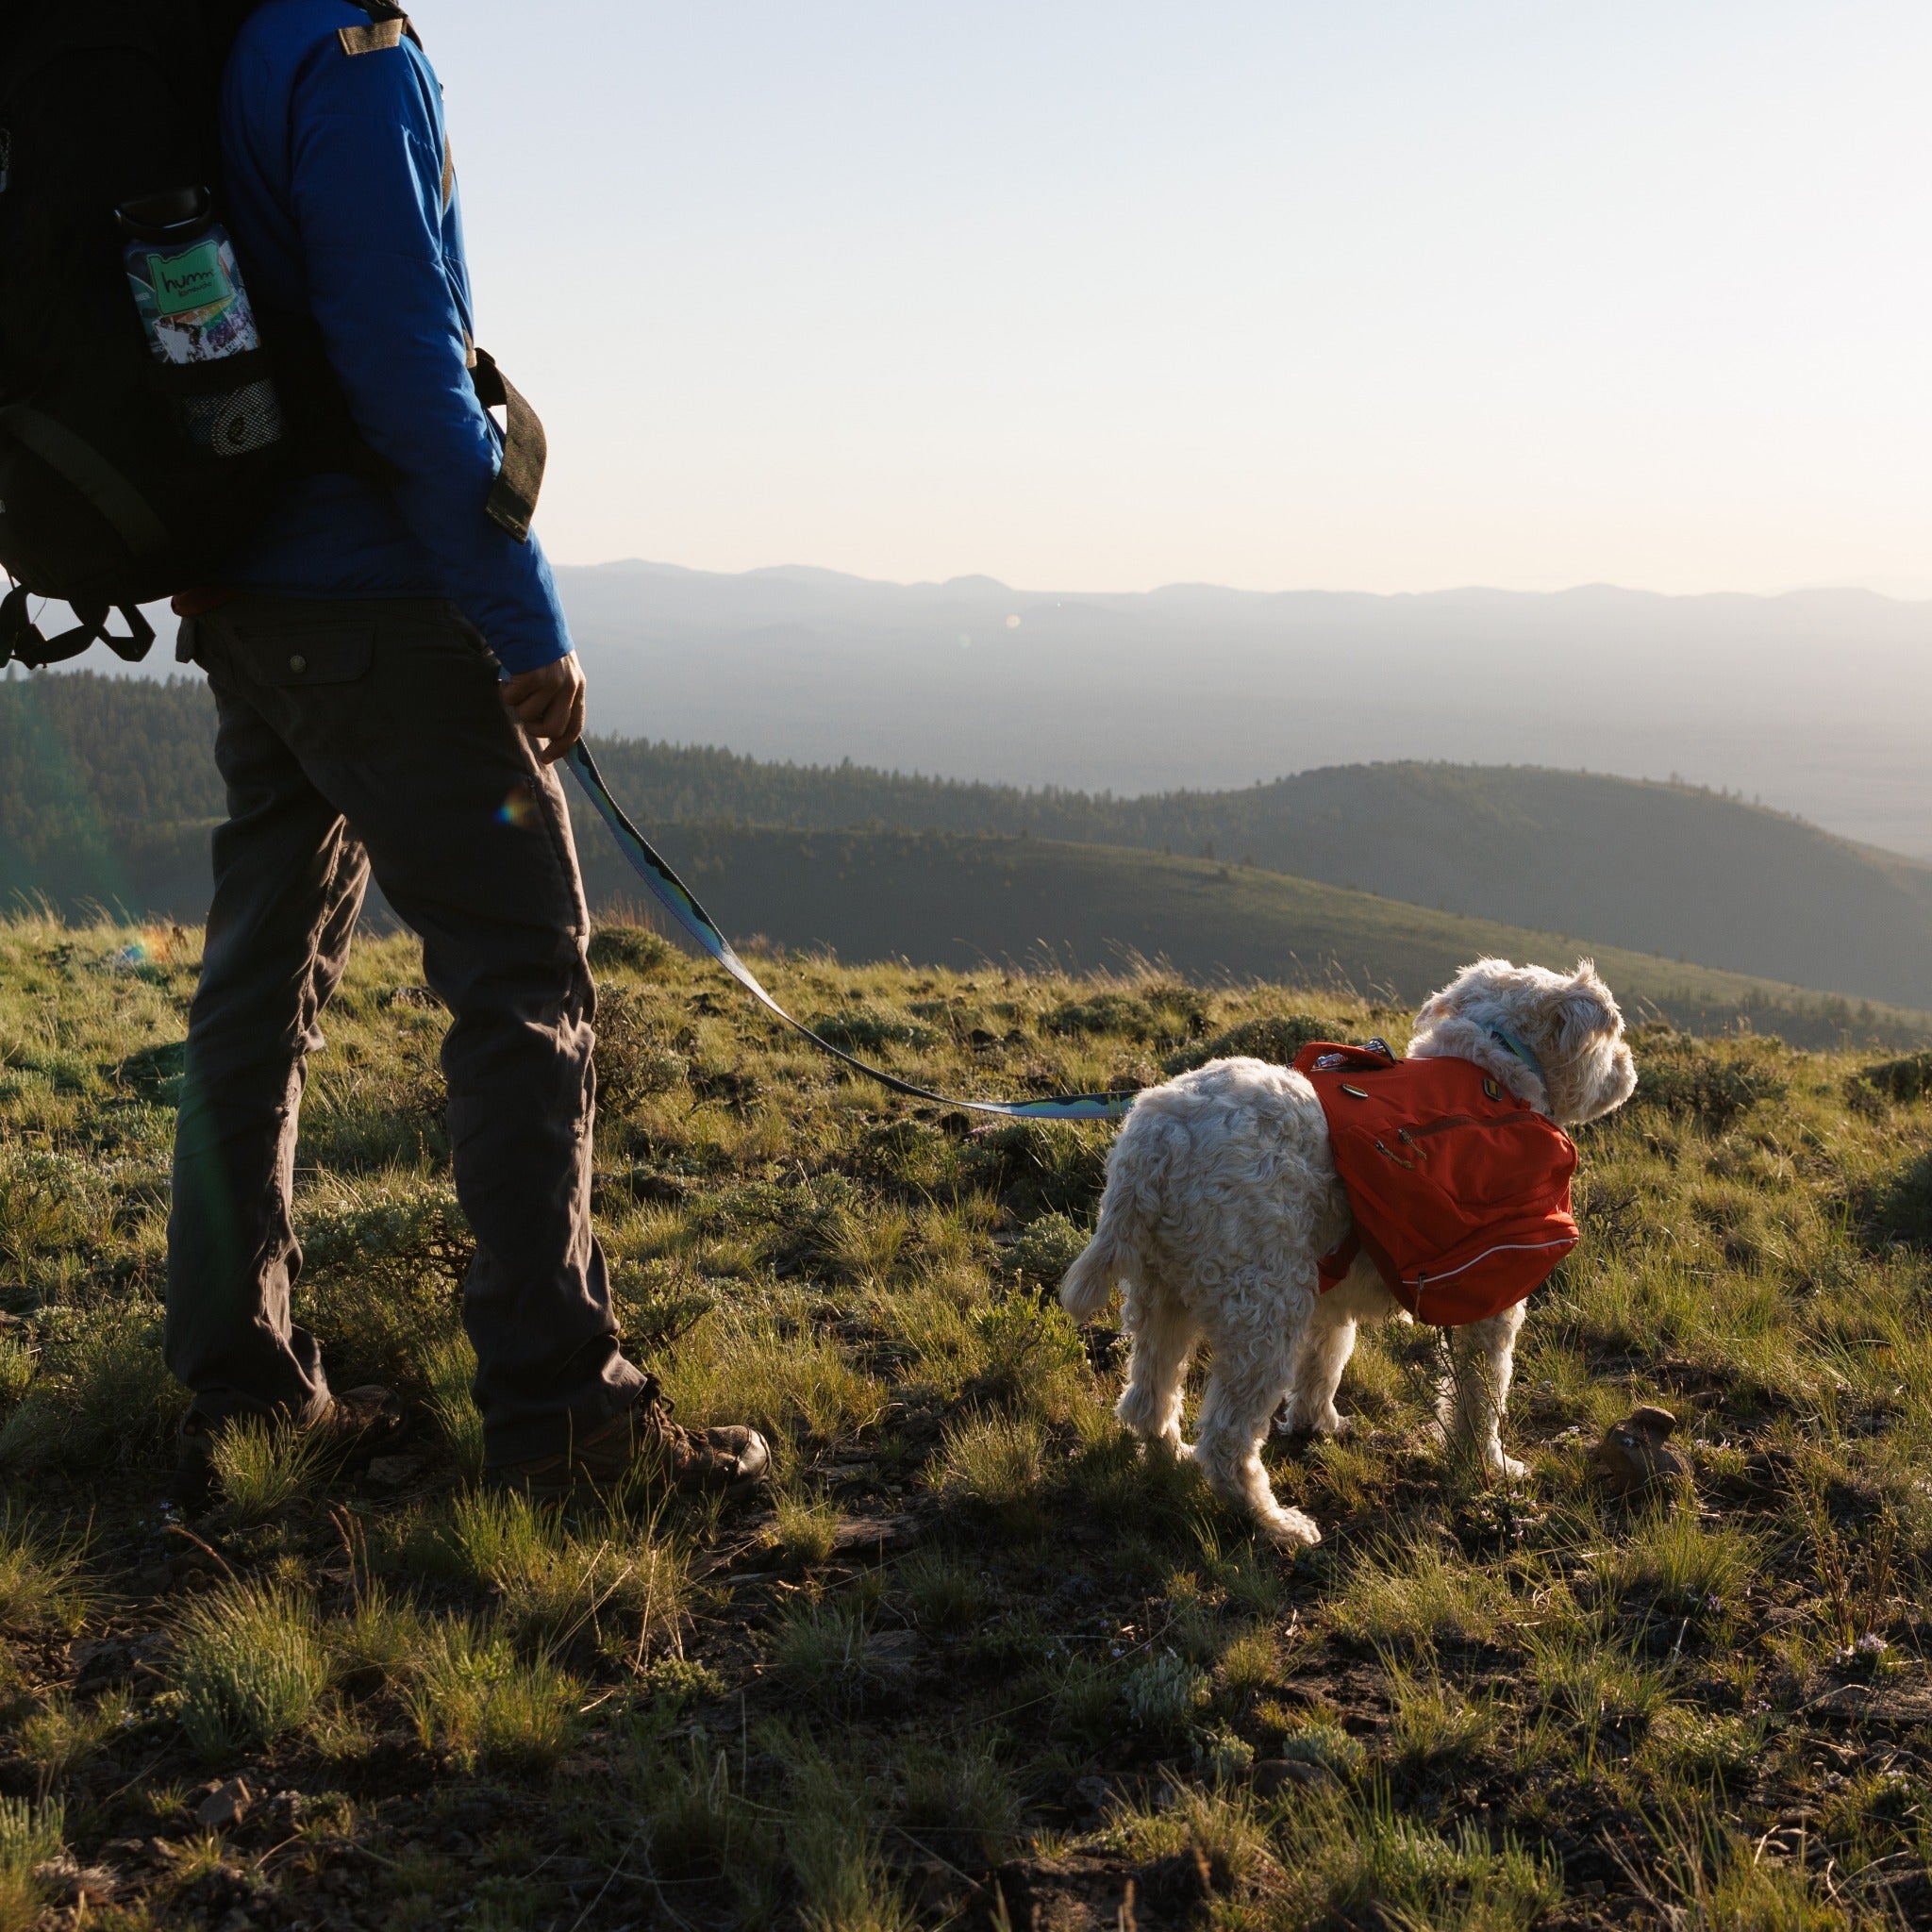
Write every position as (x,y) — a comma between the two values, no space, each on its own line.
(1568,1022)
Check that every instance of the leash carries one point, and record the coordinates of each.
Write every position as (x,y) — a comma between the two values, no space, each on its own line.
(676,899)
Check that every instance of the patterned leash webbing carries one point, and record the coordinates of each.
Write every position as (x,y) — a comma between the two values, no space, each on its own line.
(675,896)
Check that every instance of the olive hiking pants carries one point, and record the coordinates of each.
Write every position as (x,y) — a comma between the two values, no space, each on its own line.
(370,736)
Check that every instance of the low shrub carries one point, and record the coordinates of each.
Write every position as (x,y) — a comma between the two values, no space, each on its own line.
(867,1028)
(1712,1081)
(1277,1039)
(635,948)
(1905,1079)
(42,1590)
(1163,1694)
(102,1396)
(249,1666)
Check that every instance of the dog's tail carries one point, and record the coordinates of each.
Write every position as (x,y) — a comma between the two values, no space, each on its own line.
(1112,1256)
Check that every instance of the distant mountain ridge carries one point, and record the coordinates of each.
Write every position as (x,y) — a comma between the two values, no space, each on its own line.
(1820,701)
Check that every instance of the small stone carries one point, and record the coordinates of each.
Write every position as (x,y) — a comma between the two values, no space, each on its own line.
(936,1885)
(225,1806)
(1090,1793)
(392,1472)
(1634,1455)
(1178,1882)
(872,1532)
(891,1655)
(1272,1776)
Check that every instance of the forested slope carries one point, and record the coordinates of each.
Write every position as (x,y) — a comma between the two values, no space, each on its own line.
(108,788)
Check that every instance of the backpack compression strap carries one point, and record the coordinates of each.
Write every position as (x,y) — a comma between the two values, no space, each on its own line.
(512,500)
(22,642)
(673,895)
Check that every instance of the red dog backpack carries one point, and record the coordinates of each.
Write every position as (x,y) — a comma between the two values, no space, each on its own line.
(1460,1191)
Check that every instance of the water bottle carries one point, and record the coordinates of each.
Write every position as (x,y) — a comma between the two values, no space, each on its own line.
(189,293)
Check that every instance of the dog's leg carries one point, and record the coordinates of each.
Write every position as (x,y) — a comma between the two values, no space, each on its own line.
(1164,1332)
(1254,1343)
(1482,1359)
(1326,1343)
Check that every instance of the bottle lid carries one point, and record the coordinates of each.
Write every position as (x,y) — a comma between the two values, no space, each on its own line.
(170,217)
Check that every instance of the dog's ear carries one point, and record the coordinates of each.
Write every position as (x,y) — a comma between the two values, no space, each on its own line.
(1470,983)
(1584,1009)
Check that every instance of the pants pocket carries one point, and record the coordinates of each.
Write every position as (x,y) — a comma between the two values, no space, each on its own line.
(297,658)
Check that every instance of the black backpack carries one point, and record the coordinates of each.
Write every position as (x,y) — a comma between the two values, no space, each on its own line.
(106,500)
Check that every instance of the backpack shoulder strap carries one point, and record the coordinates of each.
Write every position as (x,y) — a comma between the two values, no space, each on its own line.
(387,24)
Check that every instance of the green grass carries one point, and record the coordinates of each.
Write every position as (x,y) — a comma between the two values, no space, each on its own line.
(1039,1647)
(263,1470)
(30,1836)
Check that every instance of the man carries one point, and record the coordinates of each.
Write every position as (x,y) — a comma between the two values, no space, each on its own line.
(354,648)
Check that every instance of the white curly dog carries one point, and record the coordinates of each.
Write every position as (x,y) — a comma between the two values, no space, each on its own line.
(1221,1197)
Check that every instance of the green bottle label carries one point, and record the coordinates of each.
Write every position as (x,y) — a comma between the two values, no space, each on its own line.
(192,279)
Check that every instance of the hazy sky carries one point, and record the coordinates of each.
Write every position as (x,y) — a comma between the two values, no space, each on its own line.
(1377,297)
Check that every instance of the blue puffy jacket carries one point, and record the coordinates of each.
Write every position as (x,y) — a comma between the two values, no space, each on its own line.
(341,205)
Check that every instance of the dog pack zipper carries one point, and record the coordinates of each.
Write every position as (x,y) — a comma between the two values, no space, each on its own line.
(1409,1137)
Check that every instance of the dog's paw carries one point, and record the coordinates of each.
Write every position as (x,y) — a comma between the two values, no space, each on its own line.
(1289,1529)
(1292,1421)
(1507,1469)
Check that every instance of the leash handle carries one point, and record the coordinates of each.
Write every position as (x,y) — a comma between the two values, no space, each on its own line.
(677,899)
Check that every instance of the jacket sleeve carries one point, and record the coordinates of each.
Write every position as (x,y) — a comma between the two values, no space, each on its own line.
(367,178)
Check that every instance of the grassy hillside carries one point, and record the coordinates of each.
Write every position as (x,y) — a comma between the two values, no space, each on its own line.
(106,789)
(951,901)
(975,1659)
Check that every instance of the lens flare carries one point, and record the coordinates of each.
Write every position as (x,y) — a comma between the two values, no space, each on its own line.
(518,807)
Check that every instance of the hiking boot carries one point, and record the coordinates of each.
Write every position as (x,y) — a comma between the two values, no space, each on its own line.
(357,1426)
(732,1458)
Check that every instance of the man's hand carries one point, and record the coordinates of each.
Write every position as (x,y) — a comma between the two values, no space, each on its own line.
(549,705)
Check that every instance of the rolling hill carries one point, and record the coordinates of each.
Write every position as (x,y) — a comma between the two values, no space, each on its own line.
(944,899)
(1389,876)
(1655,868)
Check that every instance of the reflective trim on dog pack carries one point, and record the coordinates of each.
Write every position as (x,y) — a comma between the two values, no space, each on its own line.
(1460,1191)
